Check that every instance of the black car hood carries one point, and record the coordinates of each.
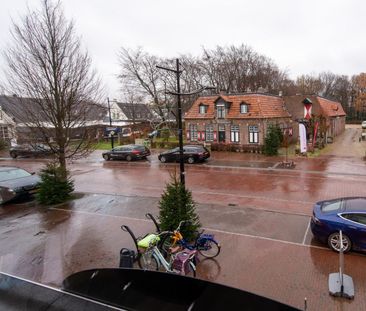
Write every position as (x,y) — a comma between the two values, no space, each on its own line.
(21,182)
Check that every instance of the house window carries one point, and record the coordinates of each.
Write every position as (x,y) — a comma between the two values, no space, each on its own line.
(221,111)
(253,134)
(203,109)
(4,132)
(193,132)
(243,108)
(234,133)
(209,132)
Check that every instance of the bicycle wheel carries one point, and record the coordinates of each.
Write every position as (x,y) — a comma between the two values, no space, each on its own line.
(148,261)
(192,269)
(209,248)
(164,244)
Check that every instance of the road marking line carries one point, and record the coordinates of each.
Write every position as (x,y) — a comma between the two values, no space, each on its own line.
(210,229)
(94,213)
(306,233)
(252,197)
(268,239)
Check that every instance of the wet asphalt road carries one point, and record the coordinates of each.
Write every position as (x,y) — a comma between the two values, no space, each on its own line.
(259,214)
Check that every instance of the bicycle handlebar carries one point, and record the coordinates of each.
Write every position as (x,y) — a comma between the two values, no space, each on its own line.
(181,223)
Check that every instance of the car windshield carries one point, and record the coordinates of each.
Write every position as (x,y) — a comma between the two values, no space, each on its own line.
(140,148)
(13,174)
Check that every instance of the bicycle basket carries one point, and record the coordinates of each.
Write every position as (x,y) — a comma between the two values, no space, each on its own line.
(204,240)
(148,240)
(180,263)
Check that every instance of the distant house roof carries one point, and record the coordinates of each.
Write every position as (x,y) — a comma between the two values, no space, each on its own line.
(136,112)
(259,106)
(16,108)
(331,108)
(320,106)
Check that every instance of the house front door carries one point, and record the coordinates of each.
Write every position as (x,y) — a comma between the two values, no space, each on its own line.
(221,133)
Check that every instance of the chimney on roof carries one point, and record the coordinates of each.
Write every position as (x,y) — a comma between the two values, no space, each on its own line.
(280,93)
(15,95)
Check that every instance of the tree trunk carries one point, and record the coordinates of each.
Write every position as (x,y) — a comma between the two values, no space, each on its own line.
(62,163)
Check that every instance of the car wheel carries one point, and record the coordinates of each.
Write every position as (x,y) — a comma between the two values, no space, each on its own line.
(334,242)
(106,157)
(13,154)
(190,160)
(128,158)
(162,159)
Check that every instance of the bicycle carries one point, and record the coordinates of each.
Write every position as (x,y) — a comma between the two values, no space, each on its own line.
(181,262)
(205,244)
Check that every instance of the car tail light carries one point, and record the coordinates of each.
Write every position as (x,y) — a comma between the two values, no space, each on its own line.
(316,220)
(135,152)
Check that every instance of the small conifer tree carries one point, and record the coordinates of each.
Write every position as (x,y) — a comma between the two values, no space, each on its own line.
(273,140)
(54,187)
(176,204)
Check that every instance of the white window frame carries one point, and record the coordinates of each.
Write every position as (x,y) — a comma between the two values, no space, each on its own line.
(209,132)
(202,109)
(243,108)
(253,131)
(221,111)
(193,132)
(235,133)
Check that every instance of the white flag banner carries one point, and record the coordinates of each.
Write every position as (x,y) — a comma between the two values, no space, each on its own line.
(302,133)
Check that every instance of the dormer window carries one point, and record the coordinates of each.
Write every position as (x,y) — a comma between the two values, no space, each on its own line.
(221,111)
(202,109)
(243,108)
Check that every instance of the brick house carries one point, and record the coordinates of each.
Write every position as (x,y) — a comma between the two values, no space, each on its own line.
(305,107)
(15,123)
(235,119)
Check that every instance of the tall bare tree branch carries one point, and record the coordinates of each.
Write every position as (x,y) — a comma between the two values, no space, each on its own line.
(47,65)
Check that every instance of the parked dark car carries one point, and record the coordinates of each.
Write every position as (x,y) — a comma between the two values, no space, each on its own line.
(16,182)
(30,150)
(346,214)
(191,154)
(127,152)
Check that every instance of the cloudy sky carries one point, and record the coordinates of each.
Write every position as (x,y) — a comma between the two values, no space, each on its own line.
(301,36)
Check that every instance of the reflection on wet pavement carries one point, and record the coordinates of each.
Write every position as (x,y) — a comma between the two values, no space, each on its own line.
(260,249)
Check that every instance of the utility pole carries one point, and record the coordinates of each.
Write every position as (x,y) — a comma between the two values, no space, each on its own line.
(178,72)
(180,128)
(110,123)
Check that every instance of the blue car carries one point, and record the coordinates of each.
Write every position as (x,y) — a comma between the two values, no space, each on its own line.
(346,214)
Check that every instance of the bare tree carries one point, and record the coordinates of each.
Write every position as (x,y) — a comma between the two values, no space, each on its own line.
(240,69)
(139,72)
(46,64)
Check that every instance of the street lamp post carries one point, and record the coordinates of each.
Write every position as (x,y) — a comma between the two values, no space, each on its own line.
(178,72)
(110,123)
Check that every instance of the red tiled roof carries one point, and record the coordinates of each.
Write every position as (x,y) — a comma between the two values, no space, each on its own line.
(331,108)
(259,106)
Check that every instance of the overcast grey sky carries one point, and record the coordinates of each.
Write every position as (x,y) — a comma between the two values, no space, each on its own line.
(302,37)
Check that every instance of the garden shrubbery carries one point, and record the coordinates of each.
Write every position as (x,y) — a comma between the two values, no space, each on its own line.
(273,140)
